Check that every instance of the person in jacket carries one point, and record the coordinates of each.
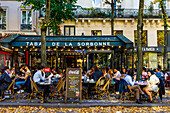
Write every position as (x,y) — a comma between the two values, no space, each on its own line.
(5,81)
(39,75)
(136,88)
(97,74)
(152,85)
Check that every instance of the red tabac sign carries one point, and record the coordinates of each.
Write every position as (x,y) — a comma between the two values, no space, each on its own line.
(47,69)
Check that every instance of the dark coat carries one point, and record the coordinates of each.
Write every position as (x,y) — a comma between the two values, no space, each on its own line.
(161,88)
(122,85)
(5,81)
(27,85)
(96,75)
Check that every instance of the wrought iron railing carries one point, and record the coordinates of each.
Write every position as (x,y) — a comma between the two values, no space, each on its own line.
(119,13)
(3,26)
(26,26)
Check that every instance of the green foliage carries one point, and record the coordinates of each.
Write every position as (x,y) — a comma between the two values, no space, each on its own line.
(160,37)
(59,10)
(150,8)
(144,34)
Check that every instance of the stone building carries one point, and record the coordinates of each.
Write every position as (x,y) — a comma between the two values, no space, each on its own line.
(94,20)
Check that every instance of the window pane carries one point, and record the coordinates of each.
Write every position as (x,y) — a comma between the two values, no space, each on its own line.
(118,32)
(29,20)
(96,32)
(23,17)
(67,31)
(71,31)
(160,37)
(4,17)
(144,35)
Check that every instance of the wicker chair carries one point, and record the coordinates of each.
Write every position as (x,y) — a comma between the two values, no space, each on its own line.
(36,90)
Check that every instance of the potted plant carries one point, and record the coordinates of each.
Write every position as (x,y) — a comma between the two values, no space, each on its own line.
(150,10)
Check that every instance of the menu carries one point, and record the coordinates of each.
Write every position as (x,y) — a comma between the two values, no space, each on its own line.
(73,83)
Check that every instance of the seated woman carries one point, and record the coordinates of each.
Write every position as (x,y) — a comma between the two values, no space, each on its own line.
(129,79)
(109,74)
(23,79)
(152,84)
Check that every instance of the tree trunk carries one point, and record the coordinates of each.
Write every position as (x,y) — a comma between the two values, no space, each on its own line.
(43,34)
(43,47)
(112,18)
(139,40)
(165,60)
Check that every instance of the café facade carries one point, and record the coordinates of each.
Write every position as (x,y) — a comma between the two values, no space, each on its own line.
(72,51)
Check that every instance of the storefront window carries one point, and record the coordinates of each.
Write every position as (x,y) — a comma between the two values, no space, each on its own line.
(102,60)
(145,60)
(5,60)
(144,38)
(2,61)
(160,60)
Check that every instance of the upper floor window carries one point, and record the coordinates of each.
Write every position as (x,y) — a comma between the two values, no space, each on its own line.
(144,38)
(3,20)
(160,37)
(26,20)
(69,30)
(96,32)
(118,32)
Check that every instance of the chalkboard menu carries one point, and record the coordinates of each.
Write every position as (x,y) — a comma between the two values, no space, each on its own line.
(73,83)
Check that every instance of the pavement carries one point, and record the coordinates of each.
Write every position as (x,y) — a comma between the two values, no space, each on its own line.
(59,103)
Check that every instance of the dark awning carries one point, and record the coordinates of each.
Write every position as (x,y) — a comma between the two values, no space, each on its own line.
(68,41)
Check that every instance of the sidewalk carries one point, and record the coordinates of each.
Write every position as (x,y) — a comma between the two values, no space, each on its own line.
(59,103)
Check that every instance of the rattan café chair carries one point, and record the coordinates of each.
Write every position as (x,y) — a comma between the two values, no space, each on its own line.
(36,90)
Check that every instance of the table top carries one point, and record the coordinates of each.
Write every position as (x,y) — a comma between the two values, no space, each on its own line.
(45,83)
(90,82)
(142,83)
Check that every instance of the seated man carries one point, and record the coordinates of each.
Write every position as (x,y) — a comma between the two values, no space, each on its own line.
(97,74)
(152,85)
(39,75)
(137,88)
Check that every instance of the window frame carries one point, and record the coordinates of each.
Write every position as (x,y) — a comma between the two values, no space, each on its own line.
(1,24)
(26,20)
(96,35)
(70,26)
(146,38)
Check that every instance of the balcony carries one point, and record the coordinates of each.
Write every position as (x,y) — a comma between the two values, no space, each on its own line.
(26,26)
(119,13)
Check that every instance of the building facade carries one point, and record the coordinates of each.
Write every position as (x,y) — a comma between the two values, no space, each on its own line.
(94,20)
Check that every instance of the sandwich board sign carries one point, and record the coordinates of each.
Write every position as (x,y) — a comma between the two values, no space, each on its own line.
(73,84)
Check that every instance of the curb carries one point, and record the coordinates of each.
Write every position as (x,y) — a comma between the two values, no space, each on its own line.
(77,105)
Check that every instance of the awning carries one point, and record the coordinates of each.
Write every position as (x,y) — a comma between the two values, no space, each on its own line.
(68,41)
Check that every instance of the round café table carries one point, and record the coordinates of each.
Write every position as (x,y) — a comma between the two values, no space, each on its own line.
(89,85)
(45,85)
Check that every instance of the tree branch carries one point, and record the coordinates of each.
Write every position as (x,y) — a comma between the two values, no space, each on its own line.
(107,2)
